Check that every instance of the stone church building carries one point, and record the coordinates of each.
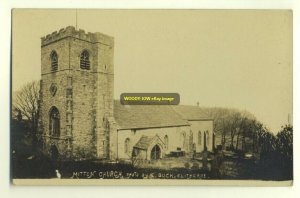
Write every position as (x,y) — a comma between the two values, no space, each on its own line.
(79,118)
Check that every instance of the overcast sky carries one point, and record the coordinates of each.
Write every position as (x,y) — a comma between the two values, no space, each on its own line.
(240,59)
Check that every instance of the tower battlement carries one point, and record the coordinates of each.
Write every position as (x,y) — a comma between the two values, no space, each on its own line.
(76,93)
(70,31)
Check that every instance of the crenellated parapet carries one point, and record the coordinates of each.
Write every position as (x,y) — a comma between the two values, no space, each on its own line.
(70,31)
(82,98)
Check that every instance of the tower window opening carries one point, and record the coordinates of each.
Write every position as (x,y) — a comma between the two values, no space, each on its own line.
(54,122)
(85,60)
(54,61)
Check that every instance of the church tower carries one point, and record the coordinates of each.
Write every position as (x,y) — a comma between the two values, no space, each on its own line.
(76,95)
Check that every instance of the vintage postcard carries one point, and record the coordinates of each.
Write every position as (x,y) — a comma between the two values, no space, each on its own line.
(151,97)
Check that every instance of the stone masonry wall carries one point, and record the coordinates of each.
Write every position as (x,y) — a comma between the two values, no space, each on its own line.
(83,97)
(104,99)
(59,101)
(83,88)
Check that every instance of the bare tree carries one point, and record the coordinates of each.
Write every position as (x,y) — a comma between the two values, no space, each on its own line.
(241,131)
(231,124)
(25,101)
(244,129)
(220,124)
(234,122)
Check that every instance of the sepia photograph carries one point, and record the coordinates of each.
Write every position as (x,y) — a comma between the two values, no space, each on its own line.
(151,97)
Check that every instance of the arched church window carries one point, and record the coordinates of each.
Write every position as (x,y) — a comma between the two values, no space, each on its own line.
(166,141)
(191,135)
(207,137)
(54,124)
(199,138)
(54,61)
(127,146)
(85,60)
(183,139)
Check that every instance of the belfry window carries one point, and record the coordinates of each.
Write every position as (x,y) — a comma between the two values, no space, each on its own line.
(54,122)
(85,60)
(54,61)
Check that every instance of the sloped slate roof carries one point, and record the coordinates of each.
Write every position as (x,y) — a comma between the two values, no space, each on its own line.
(146,116)
(144,142)
(188,112)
